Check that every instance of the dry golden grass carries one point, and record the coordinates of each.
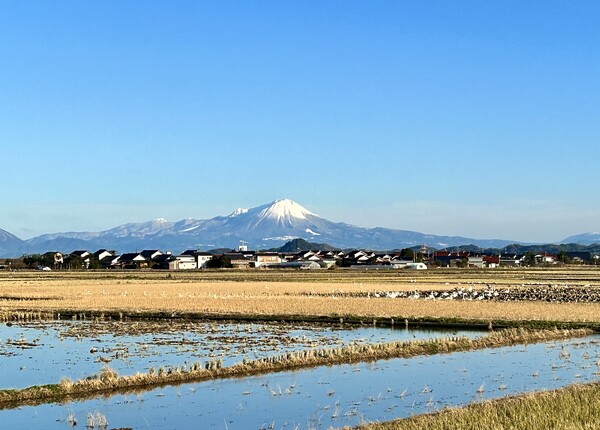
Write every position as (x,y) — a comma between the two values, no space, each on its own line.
(285,293)
(571,408)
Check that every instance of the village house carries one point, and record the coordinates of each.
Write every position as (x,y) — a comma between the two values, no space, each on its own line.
(313,259)
(237,260)
(163,261)
(109,261)
(101,254)
(202,258)
(356,257)
(511,259)
(150,254)
(266,259)
(476,261)
(491,261)
(131,260)
(449,259)
(545,258)
(183,262)
(83,255)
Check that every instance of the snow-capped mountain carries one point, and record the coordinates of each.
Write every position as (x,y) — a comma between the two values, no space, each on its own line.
(583,239)
(266,226)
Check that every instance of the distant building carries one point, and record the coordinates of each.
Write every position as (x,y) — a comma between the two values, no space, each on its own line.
(202,258)
(238,260)
(416,266)
(183,262)
(101,254)
(131,260)
(266,259)
(511,259)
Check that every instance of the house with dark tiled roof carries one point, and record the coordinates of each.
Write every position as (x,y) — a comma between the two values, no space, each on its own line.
(103,253)
(109,261)
(163,262)
(511,259)
(131,260)
(82,255)
(447,258)
(150,254)
(238,260)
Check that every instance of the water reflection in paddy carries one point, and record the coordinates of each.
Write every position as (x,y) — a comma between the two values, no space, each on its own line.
(339,395)
(45,352)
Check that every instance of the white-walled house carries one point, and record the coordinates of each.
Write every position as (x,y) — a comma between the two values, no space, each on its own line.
(183,262)
(265,259)
(328,262)
(202,259)
(476,261)
(511,259)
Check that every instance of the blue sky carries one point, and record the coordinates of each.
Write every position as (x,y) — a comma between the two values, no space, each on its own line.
(466,118)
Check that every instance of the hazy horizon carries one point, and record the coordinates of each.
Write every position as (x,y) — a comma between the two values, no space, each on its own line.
(71,230)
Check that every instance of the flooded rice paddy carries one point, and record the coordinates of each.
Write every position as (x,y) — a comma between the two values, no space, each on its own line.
(335,396)
(45,352)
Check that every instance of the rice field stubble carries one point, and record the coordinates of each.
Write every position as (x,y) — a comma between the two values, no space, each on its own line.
(322,293)
(296,293)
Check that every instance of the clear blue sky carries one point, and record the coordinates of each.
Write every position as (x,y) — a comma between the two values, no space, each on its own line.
(473,118)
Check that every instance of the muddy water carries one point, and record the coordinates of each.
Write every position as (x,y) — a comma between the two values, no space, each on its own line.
(335,396)
(43,353)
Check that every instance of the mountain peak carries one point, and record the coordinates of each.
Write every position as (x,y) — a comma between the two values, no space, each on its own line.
(5,236)
(285,209)
(238,212)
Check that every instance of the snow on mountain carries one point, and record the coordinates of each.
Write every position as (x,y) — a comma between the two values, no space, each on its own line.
(139,229)
(237,212)
(185,230)
(280,238)
(284,211)
(66,235)
(260,227)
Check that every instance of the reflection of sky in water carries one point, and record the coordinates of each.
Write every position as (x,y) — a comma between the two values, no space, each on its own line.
(339,395)
(59,356)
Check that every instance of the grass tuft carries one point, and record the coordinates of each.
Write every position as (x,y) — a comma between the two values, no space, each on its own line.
(569,408)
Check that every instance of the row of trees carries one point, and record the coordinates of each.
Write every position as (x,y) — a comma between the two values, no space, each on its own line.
(531,260)
(70,262)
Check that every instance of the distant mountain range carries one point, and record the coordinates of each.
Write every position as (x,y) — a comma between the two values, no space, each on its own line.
(263,227)
(11,245)
(583,239)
